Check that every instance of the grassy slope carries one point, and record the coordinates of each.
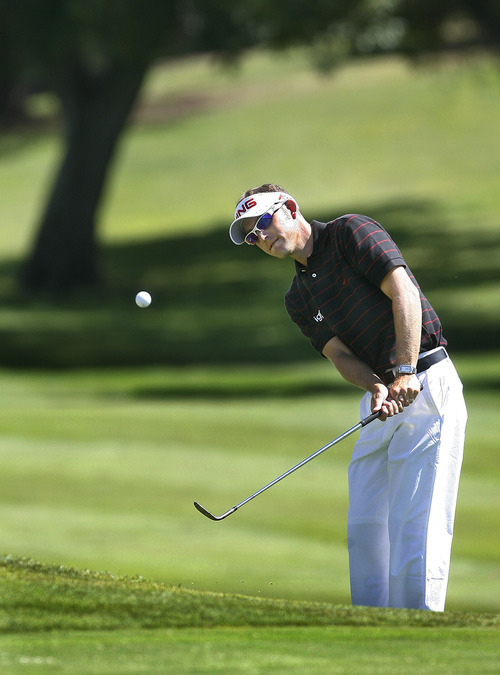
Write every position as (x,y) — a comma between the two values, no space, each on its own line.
(412,148)
(37,597)
(266,634)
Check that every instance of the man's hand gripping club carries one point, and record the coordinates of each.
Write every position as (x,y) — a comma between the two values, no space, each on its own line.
(392,399)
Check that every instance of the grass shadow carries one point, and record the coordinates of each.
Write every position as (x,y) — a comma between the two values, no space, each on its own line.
(216,304)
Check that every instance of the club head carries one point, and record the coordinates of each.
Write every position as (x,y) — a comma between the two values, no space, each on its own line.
(207,513)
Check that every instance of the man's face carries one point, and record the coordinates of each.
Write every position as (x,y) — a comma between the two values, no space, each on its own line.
(279,238)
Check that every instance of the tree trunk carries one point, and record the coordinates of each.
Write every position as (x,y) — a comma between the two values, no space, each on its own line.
(10,108)
(95,110)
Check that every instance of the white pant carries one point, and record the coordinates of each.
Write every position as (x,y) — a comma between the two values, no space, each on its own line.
(403,485)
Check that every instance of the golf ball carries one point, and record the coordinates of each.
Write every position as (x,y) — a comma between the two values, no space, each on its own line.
(143,299)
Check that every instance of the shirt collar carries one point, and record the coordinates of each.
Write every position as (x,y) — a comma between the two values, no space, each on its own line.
(319,233)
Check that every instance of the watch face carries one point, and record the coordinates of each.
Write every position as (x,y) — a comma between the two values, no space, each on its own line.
(406,370)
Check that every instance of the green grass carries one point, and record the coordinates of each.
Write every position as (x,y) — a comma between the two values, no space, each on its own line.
(37,597)
(60,618)
(100,470)
(235,651)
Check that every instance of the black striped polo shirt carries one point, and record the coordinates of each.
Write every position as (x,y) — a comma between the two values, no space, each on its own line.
(338,293)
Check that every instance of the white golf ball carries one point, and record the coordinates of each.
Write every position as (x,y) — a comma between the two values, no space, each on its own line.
(143,299)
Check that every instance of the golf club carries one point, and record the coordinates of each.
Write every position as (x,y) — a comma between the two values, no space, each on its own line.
(350,431)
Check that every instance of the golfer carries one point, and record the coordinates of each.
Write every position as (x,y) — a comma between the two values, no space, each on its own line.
(357,301)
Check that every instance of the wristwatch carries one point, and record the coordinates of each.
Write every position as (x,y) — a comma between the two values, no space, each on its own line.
(405,370)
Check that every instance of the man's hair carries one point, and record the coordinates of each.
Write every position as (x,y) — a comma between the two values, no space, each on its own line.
(267,187)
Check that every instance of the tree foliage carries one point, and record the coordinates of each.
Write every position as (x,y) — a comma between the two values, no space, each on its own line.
(93,54)
(443,25)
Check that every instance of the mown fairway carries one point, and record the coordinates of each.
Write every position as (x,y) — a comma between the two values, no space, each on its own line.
(114,419)
(100,470)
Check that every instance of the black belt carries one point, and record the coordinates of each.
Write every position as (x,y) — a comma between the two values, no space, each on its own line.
(422,364)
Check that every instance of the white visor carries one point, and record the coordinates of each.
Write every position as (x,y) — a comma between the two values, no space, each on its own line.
(251,207)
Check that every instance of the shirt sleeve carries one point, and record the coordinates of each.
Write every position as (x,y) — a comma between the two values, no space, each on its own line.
(369,248)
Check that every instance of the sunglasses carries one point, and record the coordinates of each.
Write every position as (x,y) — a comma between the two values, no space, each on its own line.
(262,224)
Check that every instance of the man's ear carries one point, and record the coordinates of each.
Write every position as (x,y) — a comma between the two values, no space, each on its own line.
(292,207)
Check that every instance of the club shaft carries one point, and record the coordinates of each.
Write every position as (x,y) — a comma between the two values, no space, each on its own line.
(350,431)
(310,458)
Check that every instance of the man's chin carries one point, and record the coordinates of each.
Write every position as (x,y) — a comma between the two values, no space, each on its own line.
(278,249)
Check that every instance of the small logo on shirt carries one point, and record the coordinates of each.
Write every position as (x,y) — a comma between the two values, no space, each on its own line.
(319,317)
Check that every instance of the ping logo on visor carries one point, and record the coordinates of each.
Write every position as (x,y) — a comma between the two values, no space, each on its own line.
(245,206)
